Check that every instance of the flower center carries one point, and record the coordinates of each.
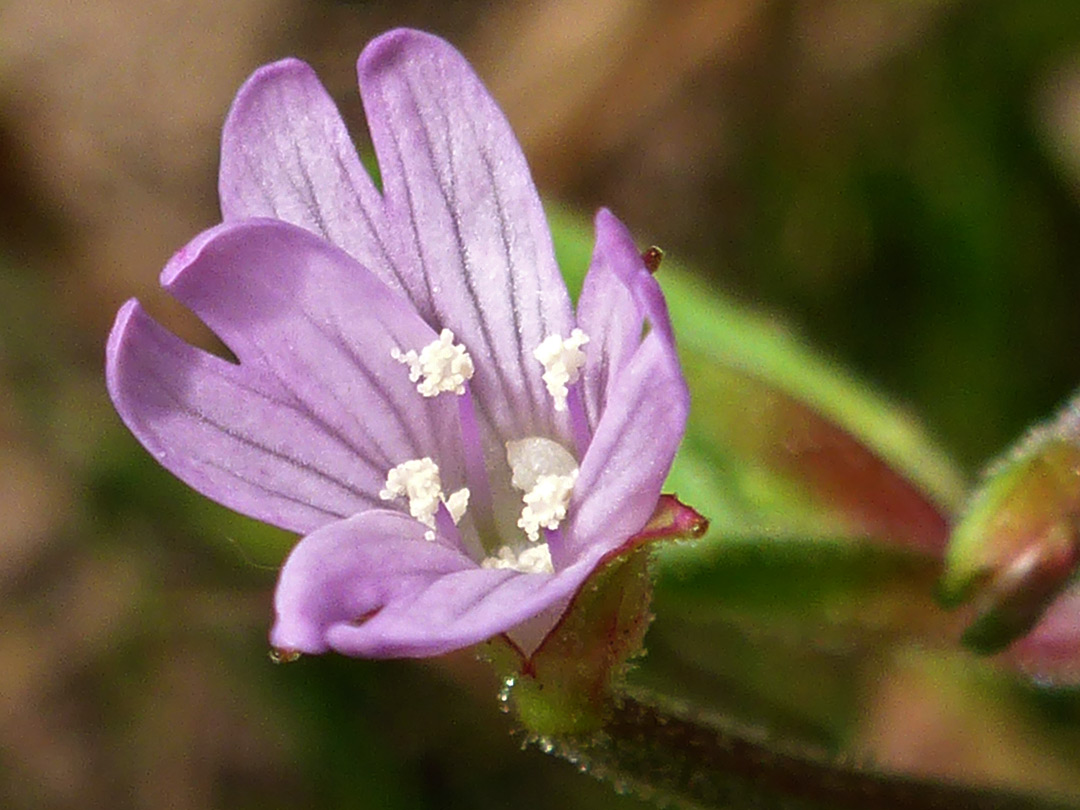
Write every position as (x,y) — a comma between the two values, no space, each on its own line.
(546,472)
(542,469)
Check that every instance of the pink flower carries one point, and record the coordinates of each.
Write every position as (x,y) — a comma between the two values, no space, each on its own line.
(414,392)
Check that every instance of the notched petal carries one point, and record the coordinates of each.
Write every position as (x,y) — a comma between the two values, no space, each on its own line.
(458,190)
(629,266)
(286,154)
(317,386)
(226,432)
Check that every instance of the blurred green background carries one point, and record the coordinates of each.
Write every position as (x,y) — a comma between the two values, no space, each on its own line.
(898,182)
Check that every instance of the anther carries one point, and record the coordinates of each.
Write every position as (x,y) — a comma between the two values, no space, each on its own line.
(546,503)
(562,361)
(546,472)
(418,481)
(443,365)
(532,560)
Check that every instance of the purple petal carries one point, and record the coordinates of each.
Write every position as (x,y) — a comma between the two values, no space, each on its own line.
(305,429)
(618,295)
(457,187)
(286,154)
(632,449)
(371,586)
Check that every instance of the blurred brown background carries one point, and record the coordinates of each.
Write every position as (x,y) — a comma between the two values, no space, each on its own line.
(900,179)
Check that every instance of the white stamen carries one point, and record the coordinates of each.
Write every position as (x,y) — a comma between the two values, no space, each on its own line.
(443,364)
(546,472)
(545,503)
(418,480)
(562,360)
(532,560)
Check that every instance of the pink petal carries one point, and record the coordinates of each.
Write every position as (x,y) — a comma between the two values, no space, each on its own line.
(286,154)
(372,586)
(305,429)
(612,308)
(468,216)
(632,449)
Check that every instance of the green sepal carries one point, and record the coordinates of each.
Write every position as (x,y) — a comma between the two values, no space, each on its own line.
(563,687)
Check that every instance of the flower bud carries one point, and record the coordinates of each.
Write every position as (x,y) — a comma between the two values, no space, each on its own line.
(1016,547)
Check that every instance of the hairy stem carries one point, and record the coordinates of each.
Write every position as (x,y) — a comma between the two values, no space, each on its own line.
(678,761)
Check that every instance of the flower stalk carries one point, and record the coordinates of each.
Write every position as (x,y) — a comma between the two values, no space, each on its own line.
(674,757)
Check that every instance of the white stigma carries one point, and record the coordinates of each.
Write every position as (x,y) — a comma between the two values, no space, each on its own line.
(562,361)
(443,365)
(546,472)
(418,481)
(532,560)
(457,503)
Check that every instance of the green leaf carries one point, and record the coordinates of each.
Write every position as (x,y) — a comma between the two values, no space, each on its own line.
(829,510)
(780,440)
(780,630)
